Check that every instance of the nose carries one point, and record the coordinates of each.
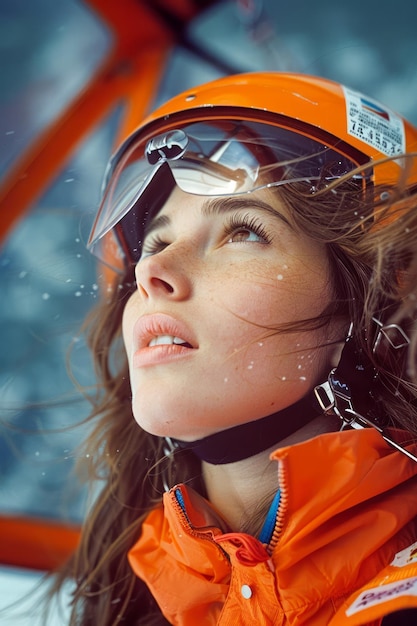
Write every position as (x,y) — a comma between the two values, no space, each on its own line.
(163,275)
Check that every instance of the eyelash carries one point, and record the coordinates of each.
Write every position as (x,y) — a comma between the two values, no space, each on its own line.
(233,225)
(154,245)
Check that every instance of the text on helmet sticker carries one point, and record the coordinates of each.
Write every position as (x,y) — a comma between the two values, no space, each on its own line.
(374,124)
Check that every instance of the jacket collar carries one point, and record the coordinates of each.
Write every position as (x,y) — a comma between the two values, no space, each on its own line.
(347,490)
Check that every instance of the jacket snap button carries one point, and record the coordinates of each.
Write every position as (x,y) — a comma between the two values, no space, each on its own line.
(246,591)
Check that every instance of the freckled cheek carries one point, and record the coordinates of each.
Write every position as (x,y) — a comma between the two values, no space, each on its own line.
(250,303)
(274,292)
(246,293)
(270,301)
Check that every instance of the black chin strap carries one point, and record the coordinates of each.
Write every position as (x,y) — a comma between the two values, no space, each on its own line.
(246,440)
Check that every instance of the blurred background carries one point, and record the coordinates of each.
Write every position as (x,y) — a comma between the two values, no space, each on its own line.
(50,52)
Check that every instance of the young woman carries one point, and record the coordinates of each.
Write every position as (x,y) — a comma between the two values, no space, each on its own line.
(256,414)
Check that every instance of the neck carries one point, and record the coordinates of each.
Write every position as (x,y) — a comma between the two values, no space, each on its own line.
(233,488)
(239,489)
(249,439)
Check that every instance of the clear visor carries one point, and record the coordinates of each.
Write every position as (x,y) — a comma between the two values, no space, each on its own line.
(211,158)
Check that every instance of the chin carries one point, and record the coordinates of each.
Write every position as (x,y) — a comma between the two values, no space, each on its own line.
(158,427)
(170,429)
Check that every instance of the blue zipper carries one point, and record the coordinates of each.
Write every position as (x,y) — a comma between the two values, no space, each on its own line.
(266,533)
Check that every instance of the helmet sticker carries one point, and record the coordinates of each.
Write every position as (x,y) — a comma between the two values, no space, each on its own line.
(374,124)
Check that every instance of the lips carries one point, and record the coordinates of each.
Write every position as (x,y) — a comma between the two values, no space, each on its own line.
(158,337)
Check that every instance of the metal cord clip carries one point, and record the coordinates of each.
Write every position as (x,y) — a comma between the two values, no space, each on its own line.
(335,395)
(335,399)
(393,333)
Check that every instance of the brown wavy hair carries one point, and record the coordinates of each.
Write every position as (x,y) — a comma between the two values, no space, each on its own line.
(371,241)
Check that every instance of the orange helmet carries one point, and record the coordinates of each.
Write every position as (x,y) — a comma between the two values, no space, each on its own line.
(242,133)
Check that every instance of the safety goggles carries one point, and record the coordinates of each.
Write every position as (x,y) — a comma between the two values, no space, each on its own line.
(223,157)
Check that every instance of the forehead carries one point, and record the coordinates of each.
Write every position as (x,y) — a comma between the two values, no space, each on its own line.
(181,205)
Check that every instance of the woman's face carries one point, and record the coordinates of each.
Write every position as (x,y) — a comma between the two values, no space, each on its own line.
(216,277)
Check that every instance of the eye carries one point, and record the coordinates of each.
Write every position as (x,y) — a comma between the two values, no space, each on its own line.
(246,229)
(152,245)
(244,234)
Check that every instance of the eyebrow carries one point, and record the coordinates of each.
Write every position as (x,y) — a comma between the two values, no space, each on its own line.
(218,206)
(156,222)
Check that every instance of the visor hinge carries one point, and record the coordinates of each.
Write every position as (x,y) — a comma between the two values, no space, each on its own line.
(167,146)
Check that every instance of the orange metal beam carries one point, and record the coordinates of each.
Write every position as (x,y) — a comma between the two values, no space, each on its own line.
(136,62)
(36,543)
(30,176)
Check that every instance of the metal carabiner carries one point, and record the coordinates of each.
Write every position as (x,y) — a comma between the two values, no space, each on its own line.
(335,398)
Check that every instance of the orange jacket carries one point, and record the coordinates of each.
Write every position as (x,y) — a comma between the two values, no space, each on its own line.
(343,550)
